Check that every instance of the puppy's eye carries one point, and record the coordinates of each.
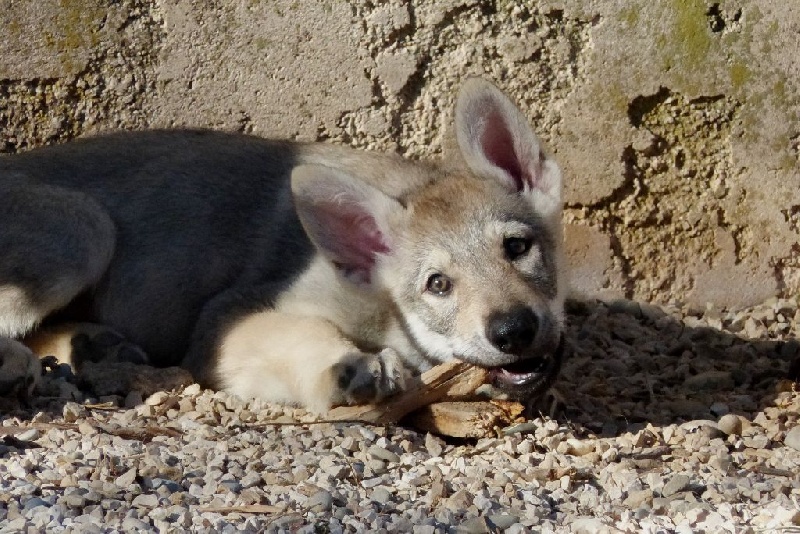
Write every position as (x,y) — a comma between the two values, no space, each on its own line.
(516,246)
(439,284)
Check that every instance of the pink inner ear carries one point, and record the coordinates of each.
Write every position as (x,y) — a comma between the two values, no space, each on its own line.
(498,147)
(352,238)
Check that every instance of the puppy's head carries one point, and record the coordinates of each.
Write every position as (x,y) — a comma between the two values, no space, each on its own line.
(477,277)
(472,260)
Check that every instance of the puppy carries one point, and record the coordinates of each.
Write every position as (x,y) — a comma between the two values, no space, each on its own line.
(308,274)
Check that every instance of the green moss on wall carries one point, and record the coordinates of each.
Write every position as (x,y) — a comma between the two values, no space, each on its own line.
(740,74)
(691,37)
(77,27)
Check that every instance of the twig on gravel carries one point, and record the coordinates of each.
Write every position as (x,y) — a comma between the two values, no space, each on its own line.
(242,509)
(449,381)
(302,424)
(145,433)
(12,430)
(104,406)
(773,471)
(650,453)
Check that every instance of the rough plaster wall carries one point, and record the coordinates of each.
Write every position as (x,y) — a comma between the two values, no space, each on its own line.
(73,66)
(676,121)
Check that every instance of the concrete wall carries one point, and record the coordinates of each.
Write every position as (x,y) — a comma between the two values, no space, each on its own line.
(676,121)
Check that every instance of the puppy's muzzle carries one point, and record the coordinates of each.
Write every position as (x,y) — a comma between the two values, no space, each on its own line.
(529,377)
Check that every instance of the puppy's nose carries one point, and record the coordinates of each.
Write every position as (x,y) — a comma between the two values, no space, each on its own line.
(512,332)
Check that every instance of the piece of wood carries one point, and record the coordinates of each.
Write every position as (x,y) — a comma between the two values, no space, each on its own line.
(243,509)
(444,382)
(476,419)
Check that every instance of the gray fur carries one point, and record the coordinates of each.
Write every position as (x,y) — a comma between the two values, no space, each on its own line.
(195,215)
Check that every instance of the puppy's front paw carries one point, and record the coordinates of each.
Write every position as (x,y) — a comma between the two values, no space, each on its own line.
(365,378)
(20,369)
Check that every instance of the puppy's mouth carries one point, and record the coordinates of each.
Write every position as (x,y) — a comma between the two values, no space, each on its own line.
(530,377)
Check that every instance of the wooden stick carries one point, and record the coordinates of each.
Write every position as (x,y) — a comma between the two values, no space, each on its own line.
(476,419)
(448,381)
(243,509)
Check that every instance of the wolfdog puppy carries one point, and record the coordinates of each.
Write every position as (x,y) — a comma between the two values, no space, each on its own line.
(298,273)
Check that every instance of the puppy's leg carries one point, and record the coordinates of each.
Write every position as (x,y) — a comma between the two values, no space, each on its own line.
(78,343)
(301,360)
(55,244)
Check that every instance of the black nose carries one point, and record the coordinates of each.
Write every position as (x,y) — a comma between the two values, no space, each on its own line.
(514,331)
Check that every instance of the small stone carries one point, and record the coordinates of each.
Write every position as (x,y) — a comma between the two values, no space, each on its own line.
(372,482)
(193,389)
(377,467)
(589,525)
(74,500)
(792,438)
(159,397)
(231,485)
(145,500)
(134,524)
(73,411)
(379,453)
(250,480)
(476,525)
(15,525)
(320,502)
(503,521)
(434,445)
(758,442)
(460,500)
(381,495)
(86,429)
(703,427)
(580,447)
(35,502)
(721,463)
(636,498)
(730,424)
(787,516)
(29,435)
(675,485)
(127,478)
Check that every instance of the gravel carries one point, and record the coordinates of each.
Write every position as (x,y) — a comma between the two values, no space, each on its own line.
(665,419)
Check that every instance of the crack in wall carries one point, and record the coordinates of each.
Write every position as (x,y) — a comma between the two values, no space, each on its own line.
(674,196)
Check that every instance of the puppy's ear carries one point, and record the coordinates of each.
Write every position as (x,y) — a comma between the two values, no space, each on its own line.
(496,141)
(349,221)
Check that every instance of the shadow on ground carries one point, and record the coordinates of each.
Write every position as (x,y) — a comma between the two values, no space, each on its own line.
(631,364)
(627,365)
